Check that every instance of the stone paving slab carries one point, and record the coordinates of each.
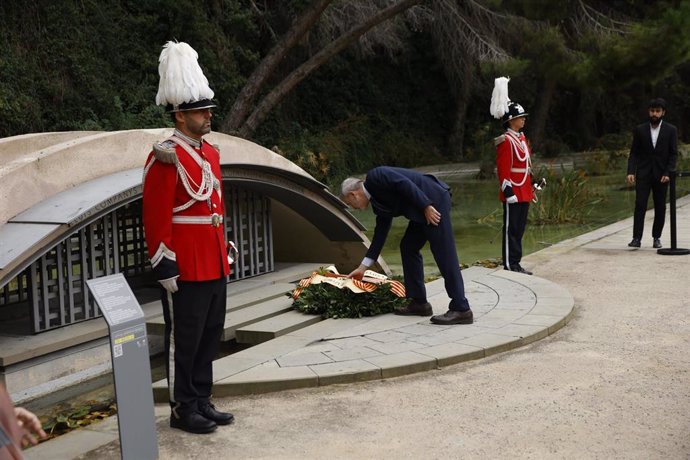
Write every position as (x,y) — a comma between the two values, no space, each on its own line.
(402,363)
(511,310)
(453,353)
(354,370)
(274,326)
(266,379)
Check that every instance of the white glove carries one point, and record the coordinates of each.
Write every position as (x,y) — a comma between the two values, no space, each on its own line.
(170,284)
(511,199)
(538,186)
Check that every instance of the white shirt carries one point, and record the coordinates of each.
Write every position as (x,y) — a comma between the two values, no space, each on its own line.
(655,132)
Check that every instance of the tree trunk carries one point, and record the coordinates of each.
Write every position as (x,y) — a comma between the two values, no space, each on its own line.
(541,111)
(456,140)
(283,88)
(267,66)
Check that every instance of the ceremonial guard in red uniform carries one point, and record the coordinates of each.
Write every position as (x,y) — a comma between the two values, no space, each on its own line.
(183,222)
(514,170)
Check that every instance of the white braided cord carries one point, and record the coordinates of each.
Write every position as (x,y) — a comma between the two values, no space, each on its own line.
(519,146)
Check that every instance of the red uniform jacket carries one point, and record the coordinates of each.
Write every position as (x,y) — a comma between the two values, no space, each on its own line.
(514,166)
(193,244)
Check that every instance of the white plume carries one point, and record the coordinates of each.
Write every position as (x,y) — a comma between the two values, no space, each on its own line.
(181,78)
(499,97)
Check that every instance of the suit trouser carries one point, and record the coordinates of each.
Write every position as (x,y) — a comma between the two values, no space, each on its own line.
(442,244)
(643,185)
(193,328)
(514,223)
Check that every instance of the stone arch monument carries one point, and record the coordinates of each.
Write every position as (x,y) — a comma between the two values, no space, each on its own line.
(71,211)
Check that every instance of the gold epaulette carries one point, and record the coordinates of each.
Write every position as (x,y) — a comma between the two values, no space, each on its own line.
(499,140)
(165,151)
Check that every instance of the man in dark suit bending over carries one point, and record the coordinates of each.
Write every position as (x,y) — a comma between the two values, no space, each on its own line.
(425,202)
(652,159)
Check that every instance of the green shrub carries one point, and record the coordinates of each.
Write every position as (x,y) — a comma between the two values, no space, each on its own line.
(565,199)
(602,162)
(597,163)
(615,141)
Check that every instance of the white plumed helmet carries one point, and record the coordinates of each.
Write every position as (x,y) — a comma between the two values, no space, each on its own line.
(182,85)
(501,106)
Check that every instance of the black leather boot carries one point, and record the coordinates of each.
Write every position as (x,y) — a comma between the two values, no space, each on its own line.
(209,411)
(192,422)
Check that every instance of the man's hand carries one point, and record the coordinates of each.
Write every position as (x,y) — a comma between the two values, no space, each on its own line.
(170,284)
(631,179)
(30,425)
(511,199)
(433,217)
(358,273)
(665,179)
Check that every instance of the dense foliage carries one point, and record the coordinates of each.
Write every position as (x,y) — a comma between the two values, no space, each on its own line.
(92,65)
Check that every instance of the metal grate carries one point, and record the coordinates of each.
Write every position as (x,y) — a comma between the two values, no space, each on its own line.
(133,255)
(53,288)
(248,224)
(59,294)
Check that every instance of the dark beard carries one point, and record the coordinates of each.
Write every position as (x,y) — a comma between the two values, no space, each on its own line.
(654,121)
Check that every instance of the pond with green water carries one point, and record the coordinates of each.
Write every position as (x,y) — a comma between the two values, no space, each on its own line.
(477,216)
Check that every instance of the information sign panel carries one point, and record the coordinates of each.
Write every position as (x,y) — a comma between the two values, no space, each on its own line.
(131,367)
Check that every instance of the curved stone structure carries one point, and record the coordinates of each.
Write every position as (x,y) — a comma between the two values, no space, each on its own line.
(71,211)
(41,174)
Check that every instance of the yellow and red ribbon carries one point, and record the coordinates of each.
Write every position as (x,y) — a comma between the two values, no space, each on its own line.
(369,282)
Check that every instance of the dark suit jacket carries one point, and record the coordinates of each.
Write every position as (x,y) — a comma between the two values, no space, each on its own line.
(647,161)
(399,192)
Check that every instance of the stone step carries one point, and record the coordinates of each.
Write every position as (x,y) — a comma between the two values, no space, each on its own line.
(275,326)
(254,299)
(243,317)
(257,295)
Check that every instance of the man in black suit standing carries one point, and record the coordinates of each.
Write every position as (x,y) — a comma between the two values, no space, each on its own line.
(652,159)
(425,202)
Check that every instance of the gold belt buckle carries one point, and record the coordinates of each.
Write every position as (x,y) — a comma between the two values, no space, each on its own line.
(215,219)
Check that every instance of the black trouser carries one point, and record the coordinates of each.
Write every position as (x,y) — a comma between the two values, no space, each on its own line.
(643,185)
(442,244)
(192,339)
(514,223)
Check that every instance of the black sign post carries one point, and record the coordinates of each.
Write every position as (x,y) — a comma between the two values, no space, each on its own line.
(673,250)
(131,367)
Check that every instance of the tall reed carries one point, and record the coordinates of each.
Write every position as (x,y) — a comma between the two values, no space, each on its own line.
(567,198)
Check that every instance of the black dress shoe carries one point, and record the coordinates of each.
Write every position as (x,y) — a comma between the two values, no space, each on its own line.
(415,309)
(519,269)
(454,317)
(635,243)
(210,412)
(193,422)
(657,243)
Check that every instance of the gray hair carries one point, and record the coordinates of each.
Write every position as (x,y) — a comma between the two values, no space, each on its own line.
(350,184)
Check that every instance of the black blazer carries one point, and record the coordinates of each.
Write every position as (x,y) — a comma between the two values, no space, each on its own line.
(645,160)
(399,192)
